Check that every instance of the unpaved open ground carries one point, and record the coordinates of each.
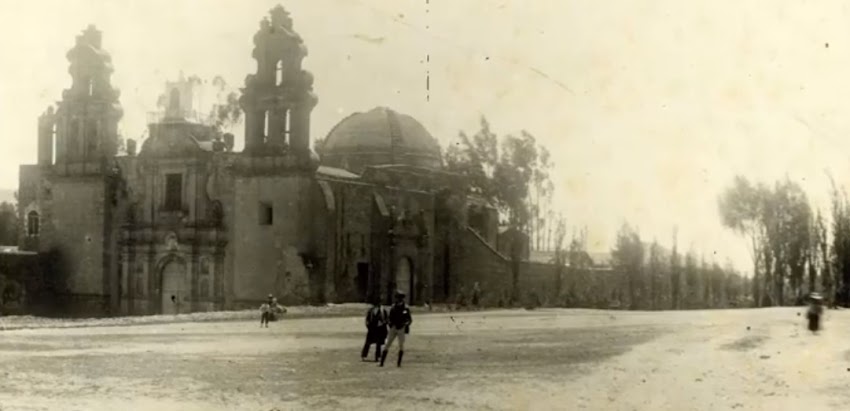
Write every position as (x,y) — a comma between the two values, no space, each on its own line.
(507,360)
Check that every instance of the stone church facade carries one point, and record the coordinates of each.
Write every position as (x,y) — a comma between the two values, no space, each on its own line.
(185,223)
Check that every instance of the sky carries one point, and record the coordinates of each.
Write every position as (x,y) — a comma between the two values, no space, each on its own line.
(650,108)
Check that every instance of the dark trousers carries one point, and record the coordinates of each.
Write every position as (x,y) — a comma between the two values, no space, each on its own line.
(814,322)
(264,319)
(377,337)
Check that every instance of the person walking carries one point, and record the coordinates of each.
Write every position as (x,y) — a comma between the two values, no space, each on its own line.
(266,312)
(815,312)
(399,322)
(376,330)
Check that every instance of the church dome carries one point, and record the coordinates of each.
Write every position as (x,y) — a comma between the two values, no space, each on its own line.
(378,137)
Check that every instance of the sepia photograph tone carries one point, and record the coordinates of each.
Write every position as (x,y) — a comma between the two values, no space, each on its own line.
(268,205)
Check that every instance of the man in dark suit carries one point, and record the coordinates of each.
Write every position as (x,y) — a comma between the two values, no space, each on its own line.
(815,312)
(399,322)
(376,326)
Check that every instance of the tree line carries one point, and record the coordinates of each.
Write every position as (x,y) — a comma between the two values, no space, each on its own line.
(648,276)
(796,250)
(513,172)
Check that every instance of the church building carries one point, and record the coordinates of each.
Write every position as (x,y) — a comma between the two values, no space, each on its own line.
(185,223)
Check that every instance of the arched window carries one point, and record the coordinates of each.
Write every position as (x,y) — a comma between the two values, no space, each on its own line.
(32,223)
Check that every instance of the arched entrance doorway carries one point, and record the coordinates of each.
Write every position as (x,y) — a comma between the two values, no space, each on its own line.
(404,278)
(175,289)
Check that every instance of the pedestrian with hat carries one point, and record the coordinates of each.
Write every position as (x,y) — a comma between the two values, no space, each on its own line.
(376,330)
(266,312)
(399,324)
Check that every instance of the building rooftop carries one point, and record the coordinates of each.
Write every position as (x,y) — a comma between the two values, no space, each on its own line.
(380,136)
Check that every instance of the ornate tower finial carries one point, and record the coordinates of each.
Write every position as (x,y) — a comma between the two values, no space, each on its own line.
(278,98)
(280,17)
(87,117)
(92,36)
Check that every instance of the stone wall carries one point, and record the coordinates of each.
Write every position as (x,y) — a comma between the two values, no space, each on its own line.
(221,187)
(73,225)
(473,260)
(353,240)
(539,283)
(266,258)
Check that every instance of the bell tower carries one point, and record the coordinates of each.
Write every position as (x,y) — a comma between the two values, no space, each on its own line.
(87,117)
(278,98)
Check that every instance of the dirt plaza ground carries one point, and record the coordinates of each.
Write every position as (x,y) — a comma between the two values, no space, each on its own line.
(488,360)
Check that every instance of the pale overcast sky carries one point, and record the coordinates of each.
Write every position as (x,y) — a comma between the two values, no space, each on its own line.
(650,107)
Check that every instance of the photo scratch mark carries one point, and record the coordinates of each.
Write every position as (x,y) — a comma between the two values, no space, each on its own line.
(427,61)
(470,50)
(368,39)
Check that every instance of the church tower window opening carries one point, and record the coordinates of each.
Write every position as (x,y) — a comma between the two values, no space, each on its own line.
(279,73)
(54,143)
(287,130)
(266,125)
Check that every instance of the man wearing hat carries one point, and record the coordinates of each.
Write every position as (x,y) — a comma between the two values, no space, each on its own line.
(376,326)
(266,312)
(399,322)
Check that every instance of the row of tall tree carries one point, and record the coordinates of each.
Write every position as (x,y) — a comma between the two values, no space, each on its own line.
(648,276)
(795,250)
(513,172)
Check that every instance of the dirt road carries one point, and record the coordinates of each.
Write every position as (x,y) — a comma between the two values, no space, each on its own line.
(507,360)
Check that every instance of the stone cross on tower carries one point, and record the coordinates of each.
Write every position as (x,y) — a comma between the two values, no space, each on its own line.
(278,98)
